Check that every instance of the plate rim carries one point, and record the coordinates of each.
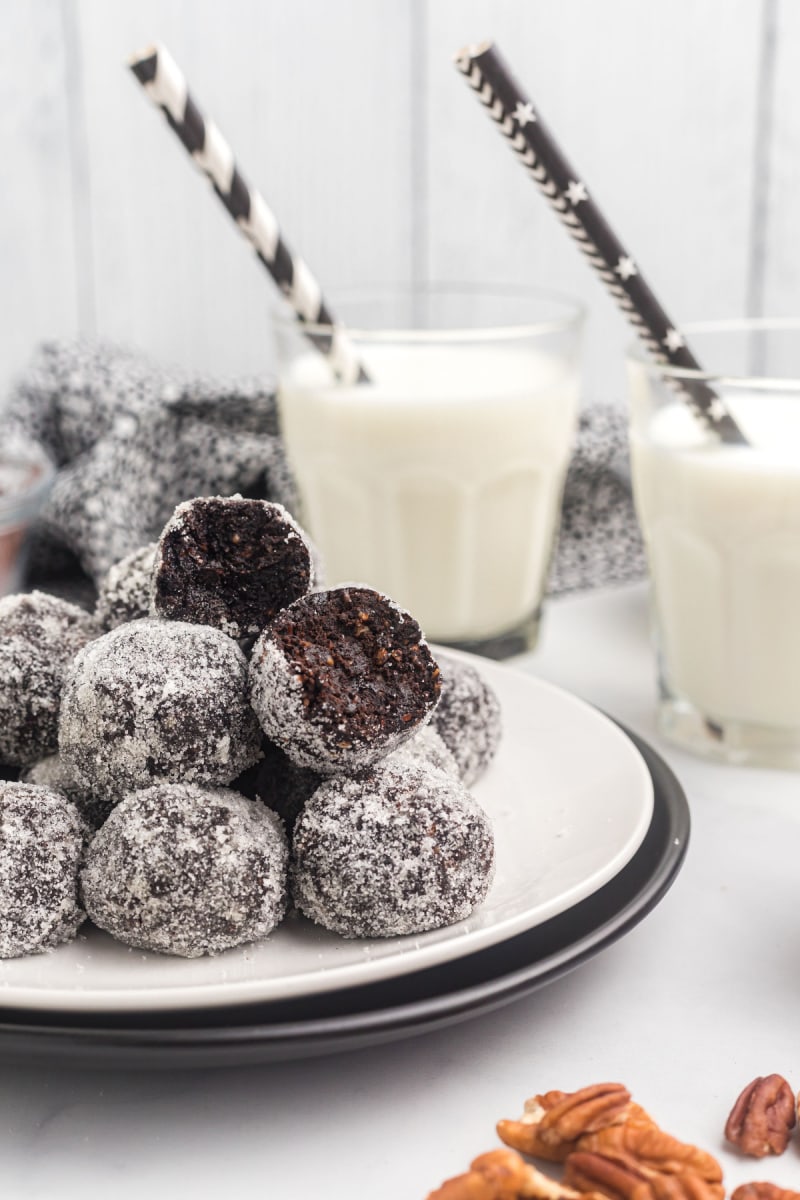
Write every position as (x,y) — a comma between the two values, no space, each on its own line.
(240,1043)
(216,994)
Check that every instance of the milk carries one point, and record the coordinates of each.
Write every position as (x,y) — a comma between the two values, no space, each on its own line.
(722,528)
(440,482)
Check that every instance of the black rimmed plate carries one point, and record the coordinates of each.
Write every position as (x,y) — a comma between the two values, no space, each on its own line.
(356,1017)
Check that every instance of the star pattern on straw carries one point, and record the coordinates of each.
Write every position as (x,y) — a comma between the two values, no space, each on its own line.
(626,268)
(674,340)
(716,409)
(576,191)
(524,114)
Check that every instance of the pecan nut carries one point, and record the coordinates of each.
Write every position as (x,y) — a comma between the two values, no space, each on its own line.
(503,1175)
(653,1150)
(763,1117)
(553,1122)
(621,1178)
(763,1191)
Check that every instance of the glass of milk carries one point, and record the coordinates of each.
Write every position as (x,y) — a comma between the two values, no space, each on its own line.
(721,524)
(439,482)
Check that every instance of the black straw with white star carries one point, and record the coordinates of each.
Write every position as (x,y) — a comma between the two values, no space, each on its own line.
(516,117)
(165,84)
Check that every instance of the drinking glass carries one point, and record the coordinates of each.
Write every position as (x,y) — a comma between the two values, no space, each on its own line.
(439,480)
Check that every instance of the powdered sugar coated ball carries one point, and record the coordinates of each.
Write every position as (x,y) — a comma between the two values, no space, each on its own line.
(41,842)
(398,850)
(341,678)
(426,749)
(52,772)
(157,700)
(124,593)
(39,635)
(187,870)
(467,718)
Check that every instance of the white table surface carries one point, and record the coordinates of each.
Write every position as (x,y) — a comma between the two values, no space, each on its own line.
(698,999)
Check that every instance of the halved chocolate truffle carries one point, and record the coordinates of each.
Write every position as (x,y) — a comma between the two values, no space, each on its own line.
(341,678)
(231,563)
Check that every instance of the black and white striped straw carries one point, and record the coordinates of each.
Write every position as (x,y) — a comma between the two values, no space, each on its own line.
(166,85)
(514,114)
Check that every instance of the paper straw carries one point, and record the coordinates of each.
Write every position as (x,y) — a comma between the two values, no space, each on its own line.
(515,115)
(165,84)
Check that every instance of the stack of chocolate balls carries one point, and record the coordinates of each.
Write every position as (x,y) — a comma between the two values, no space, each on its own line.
(223,738)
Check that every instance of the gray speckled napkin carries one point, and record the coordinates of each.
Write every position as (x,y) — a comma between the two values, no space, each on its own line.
(132,439)
(599,543)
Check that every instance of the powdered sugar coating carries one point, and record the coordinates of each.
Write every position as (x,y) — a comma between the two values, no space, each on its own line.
(157,700)
(400,850)
(426,749)
(52,772)
(41,842)
(337,692)
(186,870)
(39,636)
(124,593)
(467,718)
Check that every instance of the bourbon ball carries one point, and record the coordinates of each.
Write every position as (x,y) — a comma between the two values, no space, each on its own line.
(124,592)
(186,870)
(400,849)
(157,700)
(41,843)
(341,678)
(39,636)
(467,717)
(231,563)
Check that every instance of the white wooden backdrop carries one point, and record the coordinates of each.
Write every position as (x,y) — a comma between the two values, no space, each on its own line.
(682,115)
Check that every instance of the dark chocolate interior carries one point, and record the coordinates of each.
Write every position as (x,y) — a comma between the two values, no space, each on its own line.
(234,560)
(364,668)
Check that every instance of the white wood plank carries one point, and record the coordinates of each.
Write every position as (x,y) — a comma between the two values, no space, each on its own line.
(314,99)
(654,104)
(781,278)
(38,295)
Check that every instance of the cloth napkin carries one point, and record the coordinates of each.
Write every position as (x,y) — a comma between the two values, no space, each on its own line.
(132,439)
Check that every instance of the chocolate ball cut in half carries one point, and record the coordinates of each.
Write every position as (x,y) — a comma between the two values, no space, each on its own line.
(230,562)
(341,678)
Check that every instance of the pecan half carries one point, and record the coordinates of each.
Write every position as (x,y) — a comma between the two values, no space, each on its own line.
(553,1122)
(622,1178)
(763,1191)
(503,1175)
(763,1117)
(653,1150)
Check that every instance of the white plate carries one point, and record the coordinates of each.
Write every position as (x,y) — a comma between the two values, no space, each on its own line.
(570,799)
